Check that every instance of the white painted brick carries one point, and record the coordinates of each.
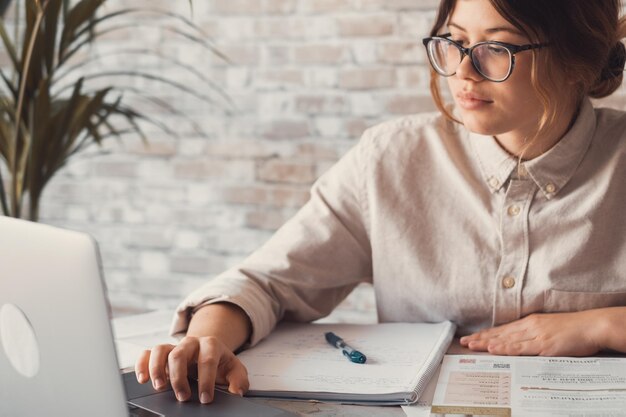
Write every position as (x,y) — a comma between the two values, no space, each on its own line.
(156,193)
(365,104)
(192,147)
(271,104)
(329,126)
(170,217)
(240,241)
(321,77)
(208,170)
(239,28)
(319,27)
(204,263)
(158,214)
(186,239)
(416,24)
(152,238)
(151,170)
(154,263)
(364,52)
(132,216)
(238,78)
(214,216)
(199,195)
(78,214)
(402,52)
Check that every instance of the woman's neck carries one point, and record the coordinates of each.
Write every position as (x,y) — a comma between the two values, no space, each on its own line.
(526,146)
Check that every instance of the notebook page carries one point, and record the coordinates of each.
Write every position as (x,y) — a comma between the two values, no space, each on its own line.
(297,358)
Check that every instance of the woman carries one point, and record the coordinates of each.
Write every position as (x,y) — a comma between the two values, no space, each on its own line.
(507,221)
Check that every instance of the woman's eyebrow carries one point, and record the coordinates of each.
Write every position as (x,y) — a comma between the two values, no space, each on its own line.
(490,30)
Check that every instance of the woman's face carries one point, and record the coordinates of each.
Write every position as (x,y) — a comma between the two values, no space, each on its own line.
(509,110)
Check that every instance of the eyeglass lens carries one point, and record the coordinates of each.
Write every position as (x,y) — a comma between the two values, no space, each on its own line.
(491,60)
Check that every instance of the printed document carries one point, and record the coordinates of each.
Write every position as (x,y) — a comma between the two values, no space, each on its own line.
(530,386)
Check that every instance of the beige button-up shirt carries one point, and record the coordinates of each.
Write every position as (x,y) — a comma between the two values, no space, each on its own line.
(445,227)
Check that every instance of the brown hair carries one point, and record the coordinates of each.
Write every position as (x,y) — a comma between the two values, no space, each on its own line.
(585,45)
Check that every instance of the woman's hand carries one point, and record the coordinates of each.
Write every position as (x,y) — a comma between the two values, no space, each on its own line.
(213,360)
(561,334)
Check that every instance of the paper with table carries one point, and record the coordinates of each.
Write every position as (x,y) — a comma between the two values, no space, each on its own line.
(296,362)
(531,386)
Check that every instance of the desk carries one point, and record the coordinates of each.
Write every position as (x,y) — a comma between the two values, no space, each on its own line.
(133,334)
(136,333)
(333,410)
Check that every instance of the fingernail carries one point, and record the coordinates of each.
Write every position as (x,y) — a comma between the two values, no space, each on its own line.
(463,339)
(181,396)
(140,377)
(204,398)
(158,382)
(240,392)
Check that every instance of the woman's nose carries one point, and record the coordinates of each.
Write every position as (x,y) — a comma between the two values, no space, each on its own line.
(466,70)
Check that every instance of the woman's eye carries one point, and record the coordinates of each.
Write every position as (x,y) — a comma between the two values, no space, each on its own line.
(497,50)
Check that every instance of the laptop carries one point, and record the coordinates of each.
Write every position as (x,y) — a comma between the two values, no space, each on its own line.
(57,355)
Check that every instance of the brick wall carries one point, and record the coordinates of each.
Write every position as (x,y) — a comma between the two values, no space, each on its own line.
(305,77)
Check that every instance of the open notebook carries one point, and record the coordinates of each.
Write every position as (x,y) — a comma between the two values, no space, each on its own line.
(296,362)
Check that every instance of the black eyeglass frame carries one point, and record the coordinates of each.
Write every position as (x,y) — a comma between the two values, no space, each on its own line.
(513,49)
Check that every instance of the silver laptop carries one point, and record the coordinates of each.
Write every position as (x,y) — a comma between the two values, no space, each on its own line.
(57,356)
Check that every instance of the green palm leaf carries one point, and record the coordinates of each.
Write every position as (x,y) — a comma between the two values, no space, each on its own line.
(80,14)
(48,113)
(51,25)
(8,45)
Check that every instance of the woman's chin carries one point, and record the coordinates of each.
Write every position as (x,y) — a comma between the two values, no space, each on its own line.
(480,124)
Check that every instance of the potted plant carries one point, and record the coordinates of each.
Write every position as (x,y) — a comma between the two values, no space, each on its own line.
(47,114)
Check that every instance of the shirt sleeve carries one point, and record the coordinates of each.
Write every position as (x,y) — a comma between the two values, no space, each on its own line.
(309,265)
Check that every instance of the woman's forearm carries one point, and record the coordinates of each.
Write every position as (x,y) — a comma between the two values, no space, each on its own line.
(225,321)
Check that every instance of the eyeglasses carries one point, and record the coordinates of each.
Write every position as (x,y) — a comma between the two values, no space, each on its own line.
(491,59)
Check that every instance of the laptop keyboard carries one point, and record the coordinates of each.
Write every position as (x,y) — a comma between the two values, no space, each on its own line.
(134,411)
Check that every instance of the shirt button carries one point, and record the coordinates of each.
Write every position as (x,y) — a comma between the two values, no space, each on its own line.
(550,188)
(494,182)
(508,282)
(514,210)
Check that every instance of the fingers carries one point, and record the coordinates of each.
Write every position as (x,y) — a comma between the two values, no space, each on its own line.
(483,341)
(518,348)
(208,361)
(179,360)
(504,331)
(141,367)
(559,334)
(217,364)
(157,365)
(237,377)
(478,339)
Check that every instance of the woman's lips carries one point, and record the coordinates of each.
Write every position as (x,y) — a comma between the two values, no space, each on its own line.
(472,101)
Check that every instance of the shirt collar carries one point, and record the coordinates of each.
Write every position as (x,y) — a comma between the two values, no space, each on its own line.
(550,171)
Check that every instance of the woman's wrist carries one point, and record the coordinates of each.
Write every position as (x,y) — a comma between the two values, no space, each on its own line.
(608,328)
(225,321)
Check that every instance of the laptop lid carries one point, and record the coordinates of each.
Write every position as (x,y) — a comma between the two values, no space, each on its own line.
(57,355)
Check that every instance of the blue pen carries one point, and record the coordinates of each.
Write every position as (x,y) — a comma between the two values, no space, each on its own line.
(336,341)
